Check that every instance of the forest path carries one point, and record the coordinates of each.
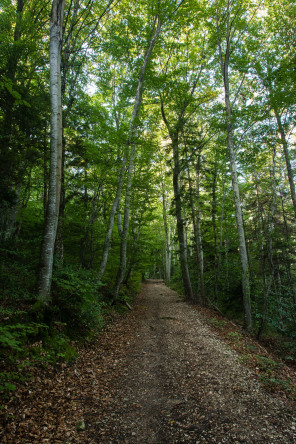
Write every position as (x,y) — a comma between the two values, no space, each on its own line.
(178,383)
(158,375)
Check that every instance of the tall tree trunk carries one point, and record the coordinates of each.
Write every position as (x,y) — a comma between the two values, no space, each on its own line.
(128,150)
(220,247)
(130,143)
(124,233)
(287,158)
(166,237)
(268,285)
(45,175)
(224,61)
(214,223)
(197,239)
(107,242)
(180,223)
(174,136)
(51,220)
(239,220)
(204,298)
(59,242)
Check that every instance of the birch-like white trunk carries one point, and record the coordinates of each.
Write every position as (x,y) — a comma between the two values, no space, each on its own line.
(174,136)
(195,214)
(268,282)
(167,240)
(115,206)
(224,62)
(131,144)
(220,246)
(180,222)
(51,219)
(239,218)
(198,237)
(129,150)
(287,159)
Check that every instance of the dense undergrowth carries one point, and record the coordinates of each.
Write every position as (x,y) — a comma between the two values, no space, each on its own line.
(34,335)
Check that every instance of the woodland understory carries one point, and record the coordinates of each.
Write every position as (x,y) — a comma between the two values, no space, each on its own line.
(144,139)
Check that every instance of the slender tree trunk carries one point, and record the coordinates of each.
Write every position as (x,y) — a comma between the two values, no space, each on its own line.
(45,176)
(180,223)
(214,223)
(224,61)
(51,221)
(59,243)
(167,238)
(174,136)
(287,158)
(239,220)
(204,298)
(131,144)
(269,248)
(124,234)
(197,243)
(220,247)
(116,201)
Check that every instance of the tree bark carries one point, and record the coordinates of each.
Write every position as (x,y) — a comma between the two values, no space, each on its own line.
(287,158)
(124,234)
(268,285)
(167,238)
(214,223)
(220,248)
(51,220)
(180,223)
(224,62)
(203,295)
(197,238)
(115,204)
(130,144)
(174,136)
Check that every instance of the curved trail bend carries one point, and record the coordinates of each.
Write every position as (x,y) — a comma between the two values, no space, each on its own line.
(158,375)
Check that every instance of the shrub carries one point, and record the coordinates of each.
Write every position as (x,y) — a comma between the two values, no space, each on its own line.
(77,302)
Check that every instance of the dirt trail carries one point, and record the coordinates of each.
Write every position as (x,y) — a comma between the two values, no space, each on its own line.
(179,383)
(159,375)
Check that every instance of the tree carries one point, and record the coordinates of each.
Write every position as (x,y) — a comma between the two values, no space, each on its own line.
(52,213)
(227,27)
(22,103)
(131,143)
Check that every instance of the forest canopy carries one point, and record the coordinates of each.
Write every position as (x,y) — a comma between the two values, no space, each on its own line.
(146,139)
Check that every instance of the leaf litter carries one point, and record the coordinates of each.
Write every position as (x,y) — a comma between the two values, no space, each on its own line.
(159,374)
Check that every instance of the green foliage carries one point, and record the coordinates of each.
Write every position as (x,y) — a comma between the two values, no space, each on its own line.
(267,364)
(14,337)
(76,301)
(234,335)
(8,381)
(57,347)
(217,322)
(185,71)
